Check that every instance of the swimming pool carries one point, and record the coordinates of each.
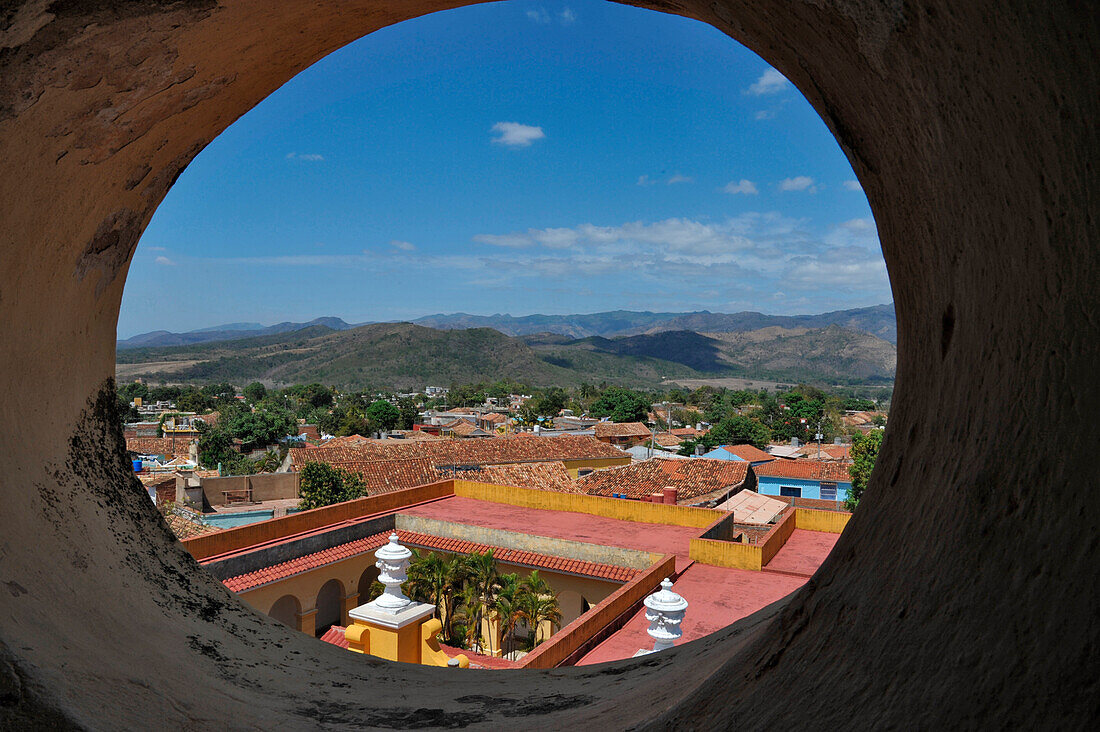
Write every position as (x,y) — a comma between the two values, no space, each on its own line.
(239,518)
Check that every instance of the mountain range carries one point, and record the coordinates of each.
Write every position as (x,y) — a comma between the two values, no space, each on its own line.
(878,320)
(407,356)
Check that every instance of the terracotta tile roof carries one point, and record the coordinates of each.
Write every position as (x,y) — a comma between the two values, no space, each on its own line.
(488,451)
(549,476)
(667,440)
(168,446)
(349,440)
(687,432)
(280,571)
(805,470)
(691,478)
(335,636)
(462,428)
(748,452)
(387,476)
(620,429)
(837,452)
(494,417)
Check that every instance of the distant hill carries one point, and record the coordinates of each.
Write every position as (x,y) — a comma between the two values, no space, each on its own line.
(229,331)
(878,320)
(405,356)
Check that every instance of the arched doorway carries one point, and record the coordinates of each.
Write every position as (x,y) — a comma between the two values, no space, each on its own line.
(330,600)
(366,581)
(286,610)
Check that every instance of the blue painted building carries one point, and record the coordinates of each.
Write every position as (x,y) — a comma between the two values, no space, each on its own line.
(817,479)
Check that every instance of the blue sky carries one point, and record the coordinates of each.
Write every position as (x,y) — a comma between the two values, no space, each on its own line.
(515,157)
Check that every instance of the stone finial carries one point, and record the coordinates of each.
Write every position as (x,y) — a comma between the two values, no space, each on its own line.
(664,611)
(393,563)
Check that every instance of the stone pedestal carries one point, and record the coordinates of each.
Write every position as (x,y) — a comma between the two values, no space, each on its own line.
(390,626)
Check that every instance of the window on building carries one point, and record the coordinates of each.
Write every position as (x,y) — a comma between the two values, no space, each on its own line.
(828,491)
(790,491)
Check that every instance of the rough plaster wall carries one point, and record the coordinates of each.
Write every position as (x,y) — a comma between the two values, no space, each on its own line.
(964,590)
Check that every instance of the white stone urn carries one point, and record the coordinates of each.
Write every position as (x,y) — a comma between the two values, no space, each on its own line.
(664,611)
(393,564)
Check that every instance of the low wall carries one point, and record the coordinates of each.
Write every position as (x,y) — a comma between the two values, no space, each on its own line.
(832,522)
(616,508)
(567,640)
(220,542)
(568,549)
(714,548)
(265,487)
(268,556)
(775,539)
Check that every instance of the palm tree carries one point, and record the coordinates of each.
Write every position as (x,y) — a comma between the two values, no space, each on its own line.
(509,608)
(539,604)
(271,461)
(427,578)
(483,578)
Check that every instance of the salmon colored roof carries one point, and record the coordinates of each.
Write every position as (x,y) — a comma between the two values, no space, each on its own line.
(837,452)
(805,470)
(748,452)
(667,440)
(620,429)
(488,451)
(335,636)
(691,478)
(338,553)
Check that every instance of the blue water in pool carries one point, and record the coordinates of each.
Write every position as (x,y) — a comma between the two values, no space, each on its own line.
(229,520)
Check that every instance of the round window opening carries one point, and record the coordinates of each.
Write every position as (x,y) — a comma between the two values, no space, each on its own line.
(488,341)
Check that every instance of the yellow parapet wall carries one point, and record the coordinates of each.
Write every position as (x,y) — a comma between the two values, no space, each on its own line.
(726,554)
(616,508)
(720,553)
(832,522)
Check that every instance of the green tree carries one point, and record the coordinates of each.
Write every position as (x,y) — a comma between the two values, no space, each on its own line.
(255,392)
(738,431)
(260,428)
(194,400)
(539,604)
(864,454)
(621,405)
(409,414)
(126,413)
(382,415)
(216,446)
(321,484)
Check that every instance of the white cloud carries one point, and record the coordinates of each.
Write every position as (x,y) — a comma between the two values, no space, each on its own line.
(770,82)
(513,241)
(539,16)
(308,157)
(680,179)
(853,185)
(165,261)
(644,180)
(567,16)
(514,134)
(403,245)
(764,114)
(743,186)
(798,183)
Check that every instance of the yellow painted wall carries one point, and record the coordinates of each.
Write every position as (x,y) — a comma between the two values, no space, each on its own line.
(832,522)
(726,554)
(616,508)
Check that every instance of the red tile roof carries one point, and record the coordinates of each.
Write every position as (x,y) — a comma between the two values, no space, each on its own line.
(488,451)
(335,636)
(748,452)
(691,478)
(805,470)
(387,476)
(667,440)
(620,429)
(338,553)
(548,476)
(170,446)
(837,452)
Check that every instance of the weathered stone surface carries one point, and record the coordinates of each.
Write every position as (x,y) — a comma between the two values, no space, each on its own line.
(964,591)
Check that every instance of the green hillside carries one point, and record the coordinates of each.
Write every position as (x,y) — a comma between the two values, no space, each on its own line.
(406,356)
